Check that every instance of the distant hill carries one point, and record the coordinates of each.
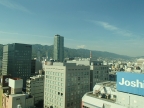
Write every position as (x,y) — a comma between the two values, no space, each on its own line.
(72,52)
(68,52)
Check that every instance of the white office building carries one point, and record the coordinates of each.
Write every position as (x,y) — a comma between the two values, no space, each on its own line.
(65,84)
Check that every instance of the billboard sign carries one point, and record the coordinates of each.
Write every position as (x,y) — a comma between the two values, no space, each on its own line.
(130,82)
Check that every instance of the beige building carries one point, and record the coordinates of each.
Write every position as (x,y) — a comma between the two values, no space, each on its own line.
(4,86)
(2,90)
(65,84)
(15,98)
(35,87)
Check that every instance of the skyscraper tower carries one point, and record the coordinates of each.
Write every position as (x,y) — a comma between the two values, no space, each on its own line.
(58,48)
(17,60)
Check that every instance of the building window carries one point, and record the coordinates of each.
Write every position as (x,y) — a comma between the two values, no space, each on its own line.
(61,94)
(58,93)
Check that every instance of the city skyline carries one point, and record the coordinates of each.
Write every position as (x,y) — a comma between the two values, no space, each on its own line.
(113,26)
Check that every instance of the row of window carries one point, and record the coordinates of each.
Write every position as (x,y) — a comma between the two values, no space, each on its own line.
(75,78)
(100,72)
(101,68)
(74,103)
(54,73)
(53,99)
(53,83)
(80,69)
(100,76)
(54,78)
(52,88)
(78,73)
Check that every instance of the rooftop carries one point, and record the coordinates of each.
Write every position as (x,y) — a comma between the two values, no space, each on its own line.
(16,78)
(105,99)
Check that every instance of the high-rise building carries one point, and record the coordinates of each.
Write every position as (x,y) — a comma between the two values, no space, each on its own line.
(58,48)
(65,84)
(17,61)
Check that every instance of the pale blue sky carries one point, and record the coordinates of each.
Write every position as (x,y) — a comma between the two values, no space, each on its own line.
(106,25)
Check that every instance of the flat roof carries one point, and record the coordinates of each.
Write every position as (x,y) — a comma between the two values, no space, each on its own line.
(15,95)
(16,78)
(95,96)
(107,83)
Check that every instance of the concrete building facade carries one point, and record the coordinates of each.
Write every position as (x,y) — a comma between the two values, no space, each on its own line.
(17,60)
(35,66)
(35,87)
(58,48)
(15,98)
(0,66)
(98,71)
(65,84)
(4,86)
(105,95)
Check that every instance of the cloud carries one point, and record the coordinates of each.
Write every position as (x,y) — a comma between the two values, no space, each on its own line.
(13,5)
(81,46)
(107,25)
(113,28)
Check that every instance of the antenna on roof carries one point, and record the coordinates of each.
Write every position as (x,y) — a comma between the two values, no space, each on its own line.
(90,54)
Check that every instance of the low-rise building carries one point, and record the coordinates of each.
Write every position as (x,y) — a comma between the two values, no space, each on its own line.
(4,86)
(127,92)
(35,87)
(15,98)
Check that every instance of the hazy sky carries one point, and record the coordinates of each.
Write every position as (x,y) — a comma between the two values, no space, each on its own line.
(107,25)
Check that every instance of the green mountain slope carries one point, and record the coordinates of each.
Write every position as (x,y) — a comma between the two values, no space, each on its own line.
(68,52)
(71,52)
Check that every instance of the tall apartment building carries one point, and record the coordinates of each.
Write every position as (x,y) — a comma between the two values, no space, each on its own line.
(58,48)
(35,87)
(17,60)
(65,84)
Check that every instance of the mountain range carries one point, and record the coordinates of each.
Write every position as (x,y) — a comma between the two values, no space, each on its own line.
(68,52)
